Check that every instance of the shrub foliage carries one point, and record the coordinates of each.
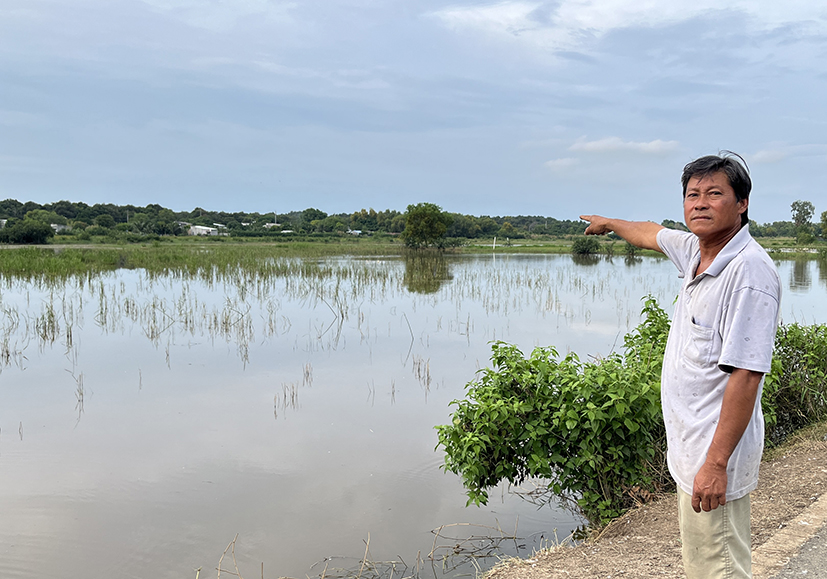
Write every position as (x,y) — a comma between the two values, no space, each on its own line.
(795,391)
(594,429)
(585,246)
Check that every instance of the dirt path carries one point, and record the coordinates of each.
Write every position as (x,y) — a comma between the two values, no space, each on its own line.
(786,511)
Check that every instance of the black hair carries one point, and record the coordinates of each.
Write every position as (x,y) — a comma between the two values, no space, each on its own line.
(730,164)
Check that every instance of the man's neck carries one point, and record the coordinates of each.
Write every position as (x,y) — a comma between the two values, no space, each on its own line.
(711,247)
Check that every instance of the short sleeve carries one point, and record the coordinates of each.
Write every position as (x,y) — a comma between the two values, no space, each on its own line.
(679,246)
(750,322)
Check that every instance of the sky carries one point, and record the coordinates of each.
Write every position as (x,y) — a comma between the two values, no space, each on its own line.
(485,108)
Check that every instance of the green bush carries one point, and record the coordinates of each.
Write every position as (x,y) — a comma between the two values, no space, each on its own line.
(594,429)
(98,230)
(794,390)
(804,238)
(585,246)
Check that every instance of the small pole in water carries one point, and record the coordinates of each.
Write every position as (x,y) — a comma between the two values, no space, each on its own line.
(495,243)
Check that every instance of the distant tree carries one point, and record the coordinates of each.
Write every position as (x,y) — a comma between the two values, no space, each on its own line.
(30,206)
(141,223)
(105,220)
(11,208)
(312,219)
(463,226)
(47,217)
(385,220)
(507,230)
(425,225)
(397,224)
(824,223)
(487,225)
(668,223)
(804,237)
(781,229)
(27,231)
(365,220)
(802,212)
(65,208)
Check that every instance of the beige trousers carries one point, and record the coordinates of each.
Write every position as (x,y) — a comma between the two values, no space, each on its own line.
(715,545)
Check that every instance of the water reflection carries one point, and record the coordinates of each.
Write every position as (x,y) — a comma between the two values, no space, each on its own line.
(426,271)
(800,275)
(585,259)
(632,260)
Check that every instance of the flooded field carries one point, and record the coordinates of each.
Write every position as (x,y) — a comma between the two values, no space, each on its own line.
(147,419)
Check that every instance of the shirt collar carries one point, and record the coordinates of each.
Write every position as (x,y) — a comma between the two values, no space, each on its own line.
(733,247)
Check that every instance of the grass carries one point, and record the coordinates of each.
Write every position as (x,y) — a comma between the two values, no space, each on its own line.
(198,256)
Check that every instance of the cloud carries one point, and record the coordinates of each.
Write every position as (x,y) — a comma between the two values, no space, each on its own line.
(615,144)
(561,164)
(569,24)
(769,156)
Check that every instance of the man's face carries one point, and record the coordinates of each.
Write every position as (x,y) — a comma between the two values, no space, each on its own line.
(710,207)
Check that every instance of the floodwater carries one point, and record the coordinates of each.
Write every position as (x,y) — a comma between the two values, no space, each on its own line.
(146,421)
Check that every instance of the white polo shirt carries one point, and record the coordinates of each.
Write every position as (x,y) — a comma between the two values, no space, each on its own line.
(724,318)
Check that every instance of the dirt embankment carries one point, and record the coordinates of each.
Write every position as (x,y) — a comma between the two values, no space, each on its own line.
(645,542)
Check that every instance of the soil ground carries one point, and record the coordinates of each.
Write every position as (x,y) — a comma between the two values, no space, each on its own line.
(645,542)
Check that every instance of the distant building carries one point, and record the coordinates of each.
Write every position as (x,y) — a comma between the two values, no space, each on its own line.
(202,230)
(3,223)
(269,225)
(58,227)
(355,231)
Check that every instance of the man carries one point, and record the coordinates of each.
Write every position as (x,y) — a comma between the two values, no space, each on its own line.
(718,350)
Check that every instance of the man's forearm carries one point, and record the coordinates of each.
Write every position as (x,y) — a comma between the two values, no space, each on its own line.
(640,233)
(709,488)
(736,411)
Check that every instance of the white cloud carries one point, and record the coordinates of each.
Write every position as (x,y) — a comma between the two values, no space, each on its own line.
(615,144)
(561,164)
(567,24)
(769,156)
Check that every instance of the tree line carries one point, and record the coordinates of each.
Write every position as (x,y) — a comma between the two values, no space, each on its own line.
(420,225)
(107,219)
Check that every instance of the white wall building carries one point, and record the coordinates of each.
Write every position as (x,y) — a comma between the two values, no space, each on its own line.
(202,230)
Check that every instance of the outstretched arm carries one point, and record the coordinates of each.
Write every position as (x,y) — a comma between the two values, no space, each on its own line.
(640,233)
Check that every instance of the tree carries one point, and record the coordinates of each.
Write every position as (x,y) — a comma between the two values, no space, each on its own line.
(364,220)
(425,224)
(28,231)
(105,220)
(463,226)
(802,213)
(507,230)
(310,217)
(47,217)
(824,224)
